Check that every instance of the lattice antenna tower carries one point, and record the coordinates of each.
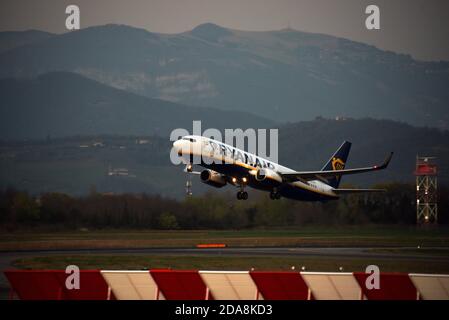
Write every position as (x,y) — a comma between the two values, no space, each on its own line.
(426,190)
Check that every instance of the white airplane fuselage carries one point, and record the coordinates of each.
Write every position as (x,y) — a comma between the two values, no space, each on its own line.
(226,164)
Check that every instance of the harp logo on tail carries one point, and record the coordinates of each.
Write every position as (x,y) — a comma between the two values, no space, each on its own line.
(337,164)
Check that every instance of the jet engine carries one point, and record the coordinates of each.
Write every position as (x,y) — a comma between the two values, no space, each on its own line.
(213,178)
(264,174)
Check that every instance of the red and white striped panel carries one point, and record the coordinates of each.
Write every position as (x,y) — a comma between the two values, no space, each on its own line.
(132,285)
(431,286)
(181,284)
(231,285)
(332,286)
(281,285)
(393,286)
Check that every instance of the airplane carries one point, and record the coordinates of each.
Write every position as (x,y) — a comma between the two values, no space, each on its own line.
(224,164)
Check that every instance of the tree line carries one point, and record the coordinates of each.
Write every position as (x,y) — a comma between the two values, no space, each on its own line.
(19,209)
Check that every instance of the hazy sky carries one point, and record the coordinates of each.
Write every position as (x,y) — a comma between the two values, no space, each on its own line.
(416,27)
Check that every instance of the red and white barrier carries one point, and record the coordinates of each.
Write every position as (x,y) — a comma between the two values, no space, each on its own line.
(167,284)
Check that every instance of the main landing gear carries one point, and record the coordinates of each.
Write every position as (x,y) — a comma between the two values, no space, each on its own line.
(242,194)
(275,195)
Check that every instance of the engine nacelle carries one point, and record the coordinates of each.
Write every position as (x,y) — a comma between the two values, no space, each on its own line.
(213,178)
(268,175)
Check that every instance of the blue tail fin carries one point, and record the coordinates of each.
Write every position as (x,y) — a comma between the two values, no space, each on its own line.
(338,162)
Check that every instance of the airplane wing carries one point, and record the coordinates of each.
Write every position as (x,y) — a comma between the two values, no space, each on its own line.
(323,175)
(348,191)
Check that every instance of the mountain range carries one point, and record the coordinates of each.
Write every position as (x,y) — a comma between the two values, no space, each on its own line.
(12,39)
(61,104)
(283,75)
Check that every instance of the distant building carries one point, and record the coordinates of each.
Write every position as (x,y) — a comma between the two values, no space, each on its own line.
(142,141)
(98,144)
(118,172)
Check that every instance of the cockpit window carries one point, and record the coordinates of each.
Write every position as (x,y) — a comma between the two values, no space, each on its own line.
(189,139)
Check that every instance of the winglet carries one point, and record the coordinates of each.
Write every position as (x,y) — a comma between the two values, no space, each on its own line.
(386,162)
